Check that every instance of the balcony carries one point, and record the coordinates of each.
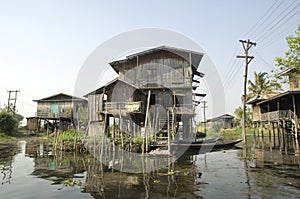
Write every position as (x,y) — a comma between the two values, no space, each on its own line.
(185,109)
(286,115)
(45,114)
(123,107)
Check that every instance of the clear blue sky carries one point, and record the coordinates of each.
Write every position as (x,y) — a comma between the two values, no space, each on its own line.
(43,44)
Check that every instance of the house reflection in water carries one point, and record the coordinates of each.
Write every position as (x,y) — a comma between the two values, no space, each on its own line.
(104,181)
(276,151)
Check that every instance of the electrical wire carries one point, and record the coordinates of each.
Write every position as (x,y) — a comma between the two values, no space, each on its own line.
(255,26)
(271,30)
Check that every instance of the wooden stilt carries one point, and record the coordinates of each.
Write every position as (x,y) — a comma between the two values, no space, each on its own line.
(278,131)
(262,129)
(146,120)
(295,117)
(168,126)
(254,125)
(273,129)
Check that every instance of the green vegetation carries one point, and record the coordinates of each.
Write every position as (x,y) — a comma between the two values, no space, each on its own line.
(9,127)
(137,140)
(292,58)
(71,182)
(263,84)
(234,133)
(68,135)
(239,115)
(8,123)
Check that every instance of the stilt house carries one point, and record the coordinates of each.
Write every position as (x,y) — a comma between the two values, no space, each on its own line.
(55,112)
(280,111)
(224,121)
(153,94)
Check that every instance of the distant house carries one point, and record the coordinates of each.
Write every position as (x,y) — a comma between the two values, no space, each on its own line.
(224,121)
(55,111)
(283,109)
(154,90)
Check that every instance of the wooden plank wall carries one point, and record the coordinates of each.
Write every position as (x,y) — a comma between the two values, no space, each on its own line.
(95,106)
(162,68)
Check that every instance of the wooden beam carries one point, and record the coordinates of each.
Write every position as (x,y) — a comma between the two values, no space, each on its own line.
(146,120)
(295,116)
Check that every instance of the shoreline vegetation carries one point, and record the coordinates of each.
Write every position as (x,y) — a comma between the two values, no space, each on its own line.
(70,140)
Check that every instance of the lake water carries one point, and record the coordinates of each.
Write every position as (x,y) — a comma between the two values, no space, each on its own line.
(268,167)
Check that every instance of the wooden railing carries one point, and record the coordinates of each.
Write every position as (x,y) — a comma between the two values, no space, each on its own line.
(184,109)
(129,107)
(43,114)
(278,115)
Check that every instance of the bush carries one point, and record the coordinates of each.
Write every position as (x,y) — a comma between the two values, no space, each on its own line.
(8,123)
(68,135)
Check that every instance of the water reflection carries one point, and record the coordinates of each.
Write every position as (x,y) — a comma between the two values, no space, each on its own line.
(267,167)
(7,151)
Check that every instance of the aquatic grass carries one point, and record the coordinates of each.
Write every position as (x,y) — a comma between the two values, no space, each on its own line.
(235,133)
(70,182)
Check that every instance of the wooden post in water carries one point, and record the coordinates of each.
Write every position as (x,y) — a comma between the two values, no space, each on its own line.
(146,120)
(294,116)
(254,125)
(120,127)
(273,129)
(168,126)
(145,139)
(278,130)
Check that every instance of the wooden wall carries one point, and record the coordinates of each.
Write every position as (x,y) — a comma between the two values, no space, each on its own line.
(32,124)
(43,108)
(256,113)
(122,92)
(294,81)
(95,106)
(160,68)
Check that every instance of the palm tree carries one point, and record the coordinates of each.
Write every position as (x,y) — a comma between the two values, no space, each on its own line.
(263,84)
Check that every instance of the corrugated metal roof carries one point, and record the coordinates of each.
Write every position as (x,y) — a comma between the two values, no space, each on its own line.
(62,97)
(196,57)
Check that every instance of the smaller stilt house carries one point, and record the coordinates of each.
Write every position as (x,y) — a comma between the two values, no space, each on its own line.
(153,94)
(224,121)
(56,112)
(280,111)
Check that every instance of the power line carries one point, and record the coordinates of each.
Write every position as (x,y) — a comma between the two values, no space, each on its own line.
(11,107)
(246,45)
(261,58)
(254,28)
(281,34)
(234,73)
(273,12)
(228,69)
(264,37)
(275,23)
(231,83)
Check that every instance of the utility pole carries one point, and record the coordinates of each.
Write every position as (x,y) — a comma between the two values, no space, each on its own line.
(14,100)
(204,115)
(246,45)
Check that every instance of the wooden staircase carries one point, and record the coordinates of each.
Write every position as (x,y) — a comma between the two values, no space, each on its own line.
(166,125)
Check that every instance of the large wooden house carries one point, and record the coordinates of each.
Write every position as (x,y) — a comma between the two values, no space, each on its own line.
(56,111)
(282,109)
(154,93)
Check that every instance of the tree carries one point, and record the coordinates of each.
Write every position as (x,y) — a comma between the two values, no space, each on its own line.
(8,123)
(263,84)
(292,56)
(238,112)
